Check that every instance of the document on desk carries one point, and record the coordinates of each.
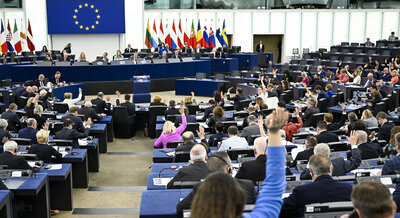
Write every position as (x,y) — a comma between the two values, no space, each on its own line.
(82,142)
(372,171)
(161,181)
(55,166)
(170,154)
(13,184)
(16,174)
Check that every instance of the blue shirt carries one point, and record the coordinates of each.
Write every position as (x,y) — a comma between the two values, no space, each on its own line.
(269,201)
(330,93)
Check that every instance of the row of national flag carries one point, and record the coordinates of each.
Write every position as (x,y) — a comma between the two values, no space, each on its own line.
(175,37)
(15,39)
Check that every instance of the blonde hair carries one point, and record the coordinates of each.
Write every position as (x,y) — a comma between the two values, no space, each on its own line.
(188,100)
(42,136)
(168,128)
(304,74)
(328,87)
(157,99)
(366,114)
(68,95)
(31,101)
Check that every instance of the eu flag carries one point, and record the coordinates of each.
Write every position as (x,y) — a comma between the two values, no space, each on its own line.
(85,16)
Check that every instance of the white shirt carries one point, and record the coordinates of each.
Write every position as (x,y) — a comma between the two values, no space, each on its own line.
(234,143)
(71,102)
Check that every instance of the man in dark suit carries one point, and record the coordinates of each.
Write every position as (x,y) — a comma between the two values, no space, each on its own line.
(255,169)
(29,132)
(311,109)
(4,134)
(57,80)
(323,189)
(386,127)
(260,47)
(219,162)
(41,82)
(196,170)
(252,128)
(73,115)
(236,99)
(128,104)
(311,142)
(380,90)
(28,92)
(209,110)
(43,99)
(369,150)
(190,118)
(251,110)
(129,49)
(101,106)
(324,136)
(340,165)
(321,93)
(89,112)
(392,166)
(188,142)
(172,110)
(12,118)
(10,158)
(71,134)
(186,48)
(271,91)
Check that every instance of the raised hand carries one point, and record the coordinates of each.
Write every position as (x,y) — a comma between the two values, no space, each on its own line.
(200,132)
(353,138)
(276,120)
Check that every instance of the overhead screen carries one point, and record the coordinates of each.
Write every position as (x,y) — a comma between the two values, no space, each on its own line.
(85,16)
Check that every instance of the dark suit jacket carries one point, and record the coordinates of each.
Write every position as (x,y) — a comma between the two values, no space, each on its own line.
(13,161)
(193,172)
(45,81)
(326,137)
(273,93)
(13,121)
(236,99)
(44,152)
(185,147)
(78,124)
(322,95)
(247,186)
(89,113)
(189,119)
(40,121)
(208,111)
(340,165)
(308,114)
(391,166)
(259,48)
(130,106)
(302,155)
(53,80)
(253,170)
(172,111)
(384,131)
(101,105)
(216,136)
(336,126)
(71,134)
(323,189)
(28,133)
(369,150)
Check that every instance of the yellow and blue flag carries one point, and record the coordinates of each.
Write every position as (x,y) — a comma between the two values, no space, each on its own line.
(85,16)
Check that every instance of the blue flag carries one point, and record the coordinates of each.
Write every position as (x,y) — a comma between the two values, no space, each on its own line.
(218,35)
(85,17)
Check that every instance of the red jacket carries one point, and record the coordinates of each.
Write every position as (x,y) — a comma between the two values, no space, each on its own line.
(292,128)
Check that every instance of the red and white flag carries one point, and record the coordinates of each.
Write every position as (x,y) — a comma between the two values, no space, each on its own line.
(29,38)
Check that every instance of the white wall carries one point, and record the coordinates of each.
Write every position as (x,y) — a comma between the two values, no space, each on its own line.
(311,29)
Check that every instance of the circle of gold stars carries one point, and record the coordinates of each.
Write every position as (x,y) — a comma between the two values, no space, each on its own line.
(86,27)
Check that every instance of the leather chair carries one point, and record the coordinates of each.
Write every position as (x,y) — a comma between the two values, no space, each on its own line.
(174,144)
(316,118)
(60,107)
(227,124)
(181,156)
(192,127)
(323,105)
(244,104)
(380,106)
(22,141)
(123,124)
(334,101)
(193,108)
(154,111)
(234,154)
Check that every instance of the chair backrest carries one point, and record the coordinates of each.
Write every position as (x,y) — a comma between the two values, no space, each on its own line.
(345,43)
(355,44)
(193,108)
(22,141)
(348,59)
(58,126)
(386,52)
(250,139)
(360,59)
(84,63)
(340,96)
(61,142)
(62,63)
(267,111)
(234,154)
(380,106)
(323,104)
(192,127)
(227,124)
(339,146)
(387,103)
(60,107)
(216,141)
(331,209)
(306,50)
(120,114)
(220,76)
(315,118)
(182,156)
(201,75)
(244,103)
(371,51)
(358,51)
(236,74)
(172,117)
(345,50)
(156,110)
(29,156)
(174,144)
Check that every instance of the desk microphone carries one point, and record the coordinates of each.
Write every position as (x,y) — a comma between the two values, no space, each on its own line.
(167,168)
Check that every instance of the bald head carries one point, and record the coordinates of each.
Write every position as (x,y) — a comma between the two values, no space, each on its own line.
(322,149)
(320,165)
(187,137)
(198,153)
(362,136)
(260,145)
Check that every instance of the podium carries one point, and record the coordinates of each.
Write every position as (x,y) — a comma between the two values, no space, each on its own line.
(141,89)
